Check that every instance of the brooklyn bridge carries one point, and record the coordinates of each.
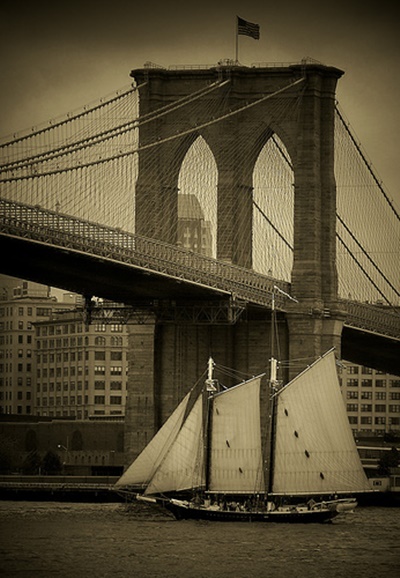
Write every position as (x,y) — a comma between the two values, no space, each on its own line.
(288,209)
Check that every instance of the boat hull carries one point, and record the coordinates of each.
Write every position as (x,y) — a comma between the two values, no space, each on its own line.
(183,511)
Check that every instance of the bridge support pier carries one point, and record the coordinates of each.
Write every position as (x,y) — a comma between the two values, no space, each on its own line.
(140,403)
(311,334)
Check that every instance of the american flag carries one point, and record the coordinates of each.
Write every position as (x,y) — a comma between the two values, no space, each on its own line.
(248,28)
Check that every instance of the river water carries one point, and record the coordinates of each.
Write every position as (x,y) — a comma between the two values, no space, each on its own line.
(50,539)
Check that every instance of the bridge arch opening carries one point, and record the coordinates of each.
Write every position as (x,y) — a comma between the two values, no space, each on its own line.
(197,199)
(273,210)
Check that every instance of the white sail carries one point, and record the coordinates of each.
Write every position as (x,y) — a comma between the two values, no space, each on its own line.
(143,468)
(315,452)
(236,454)
(182,465)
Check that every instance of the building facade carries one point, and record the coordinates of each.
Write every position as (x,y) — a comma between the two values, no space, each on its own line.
(81,371)
(372,399)
(22,304)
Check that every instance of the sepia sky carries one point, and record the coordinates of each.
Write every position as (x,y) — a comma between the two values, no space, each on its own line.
(56,58)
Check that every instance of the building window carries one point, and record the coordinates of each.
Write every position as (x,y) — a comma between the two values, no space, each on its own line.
(366,407)
(394,408)
(366,395)
(99,384)
(99,399)
(380,395)
(353,419)
(116,370)
(116,355)
(352,407)
(99,340)
(380,421)
(352,383)
(352,395)
(366,382)
(380,408)
(116,385)
(99,355)
(99,370)
(366,420)
(115,400)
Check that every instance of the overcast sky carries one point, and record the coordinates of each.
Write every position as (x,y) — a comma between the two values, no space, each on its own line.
(56,58)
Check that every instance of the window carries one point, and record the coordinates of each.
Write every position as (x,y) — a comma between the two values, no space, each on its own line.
(352,383)
(366,420)
(99,399)
(116,385)
(352,395)
(380,383)
(352,369)
(380,395)
(99,355)
(380,421)
(99,370)
(366,395)
(353,419)
(381,408)
(394,408)
(116,370)
(367,370)
(366,382)
(99,340)
(116,355)
(352,407)
(99,384)
(366,407)
(115,400)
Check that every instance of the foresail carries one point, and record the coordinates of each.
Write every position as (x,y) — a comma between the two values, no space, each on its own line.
(182,465)
(315,452)
(236,455)
(140,472)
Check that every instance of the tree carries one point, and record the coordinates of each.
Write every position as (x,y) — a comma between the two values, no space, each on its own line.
(31,464)
(8,454)
(388,460)
(51,464)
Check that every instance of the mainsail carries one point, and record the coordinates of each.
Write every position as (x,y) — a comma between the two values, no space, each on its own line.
(315,452)
(235,451)
(141,471)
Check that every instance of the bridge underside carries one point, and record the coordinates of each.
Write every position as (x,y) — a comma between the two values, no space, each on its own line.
(376,351)
(91,276)
(86,275)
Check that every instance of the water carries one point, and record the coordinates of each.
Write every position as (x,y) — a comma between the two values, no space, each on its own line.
(49,539)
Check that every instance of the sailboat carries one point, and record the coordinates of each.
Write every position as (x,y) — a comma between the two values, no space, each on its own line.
(215,458)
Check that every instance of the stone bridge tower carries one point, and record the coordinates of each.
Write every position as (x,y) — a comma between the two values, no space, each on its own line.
(315,322)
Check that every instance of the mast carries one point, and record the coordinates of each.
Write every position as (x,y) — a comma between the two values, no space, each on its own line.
(210,388)
(273,364)
(273,386)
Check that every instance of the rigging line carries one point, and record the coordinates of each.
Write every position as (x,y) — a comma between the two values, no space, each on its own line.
(366,274)
(109,134)
(379,184)
(72,118)
(161,141)
(273,226)
(367,255)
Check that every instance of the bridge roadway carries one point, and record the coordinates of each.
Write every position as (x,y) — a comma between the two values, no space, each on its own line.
(91,259)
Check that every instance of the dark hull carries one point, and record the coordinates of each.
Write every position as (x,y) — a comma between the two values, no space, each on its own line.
(303,516)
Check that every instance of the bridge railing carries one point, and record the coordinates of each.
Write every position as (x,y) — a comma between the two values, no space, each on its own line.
(77,234)
(36,223)
(372,317)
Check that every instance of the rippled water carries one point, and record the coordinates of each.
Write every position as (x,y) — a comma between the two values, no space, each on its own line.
(43,539)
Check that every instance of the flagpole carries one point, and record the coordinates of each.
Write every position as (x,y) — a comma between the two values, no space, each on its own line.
(237,41)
